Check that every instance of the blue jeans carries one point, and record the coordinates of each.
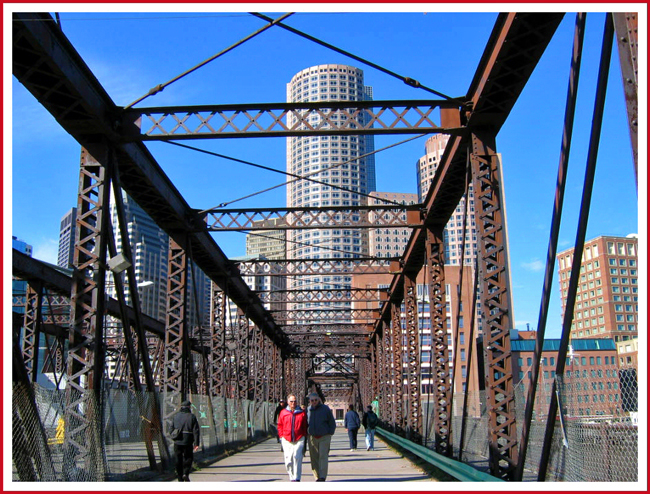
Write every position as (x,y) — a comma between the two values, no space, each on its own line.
(352,434)
(370,438)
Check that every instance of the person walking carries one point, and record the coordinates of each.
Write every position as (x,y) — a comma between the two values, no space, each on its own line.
(352,423)
(184,429)
(292,429)
(281,406)
(321,427)
(370,421)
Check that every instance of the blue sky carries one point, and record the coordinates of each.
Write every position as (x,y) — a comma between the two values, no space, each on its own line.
(131,52)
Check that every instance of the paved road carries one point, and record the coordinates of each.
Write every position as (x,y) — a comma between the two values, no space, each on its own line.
(263,463)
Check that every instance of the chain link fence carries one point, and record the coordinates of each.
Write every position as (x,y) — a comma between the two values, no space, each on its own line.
(129,444)
(596,439)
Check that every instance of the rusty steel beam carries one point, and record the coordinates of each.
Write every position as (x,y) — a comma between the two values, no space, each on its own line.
(33,320)
(312,295)
(496,303)
(325,315)
(175,384)
(334,217)
(286,119)
(47,64)
(440,368)
(86,356)
(413,412)
(516,45)
(627,38)
(317,267)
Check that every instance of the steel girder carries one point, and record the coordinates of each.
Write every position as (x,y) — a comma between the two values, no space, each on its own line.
(46,63)
(217,342)
(286,119)
(85,352)
(397,338)
(364,295)
(374,216)
(176,367)
(413,412)
(443,386)
(496,303)
(627,37)
(325,315)
(317,267)
(32,328)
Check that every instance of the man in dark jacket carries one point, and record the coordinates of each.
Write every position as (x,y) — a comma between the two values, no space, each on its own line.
(370,421)
(187,441)
(321,428)
(352,423)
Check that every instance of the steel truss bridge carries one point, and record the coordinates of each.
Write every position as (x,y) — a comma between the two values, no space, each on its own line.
(278,349)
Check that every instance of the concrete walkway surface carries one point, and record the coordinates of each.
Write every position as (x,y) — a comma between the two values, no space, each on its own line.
(264,463)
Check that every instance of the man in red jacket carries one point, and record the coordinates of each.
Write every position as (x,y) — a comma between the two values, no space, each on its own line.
(292,428)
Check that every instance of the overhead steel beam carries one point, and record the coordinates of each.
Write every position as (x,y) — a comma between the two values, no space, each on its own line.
(373,216)
(516,45)
(365,295)
(47,64)
(313,267)
(54,279)
(287,119)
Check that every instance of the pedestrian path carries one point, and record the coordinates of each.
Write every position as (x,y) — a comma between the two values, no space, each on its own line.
(263,463)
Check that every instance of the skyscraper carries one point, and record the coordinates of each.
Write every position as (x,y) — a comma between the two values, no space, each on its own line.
(66,239)
(334,160)
(453,234)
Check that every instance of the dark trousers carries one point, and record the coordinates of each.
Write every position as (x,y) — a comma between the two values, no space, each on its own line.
(352,434)
(184,457)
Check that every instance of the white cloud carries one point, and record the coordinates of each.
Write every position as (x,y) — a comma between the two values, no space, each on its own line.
(535,265)
(46,250)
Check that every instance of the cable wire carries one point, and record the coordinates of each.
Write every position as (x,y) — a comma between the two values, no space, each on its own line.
(297,177)
(160,87)
(406,80)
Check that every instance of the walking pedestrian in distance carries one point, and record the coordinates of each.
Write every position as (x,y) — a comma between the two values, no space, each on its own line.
(321,428)
(370,421)
(281,406)
(292,428)
(352,423)
(184,429)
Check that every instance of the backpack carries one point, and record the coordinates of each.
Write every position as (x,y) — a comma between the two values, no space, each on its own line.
(372,420)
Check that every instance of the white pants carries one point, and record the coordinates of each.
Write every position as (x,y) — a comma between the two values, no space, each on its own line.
(293,453)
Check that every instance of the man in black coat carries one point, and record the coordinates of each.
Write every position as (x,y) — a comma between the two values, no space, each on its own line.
(187,441)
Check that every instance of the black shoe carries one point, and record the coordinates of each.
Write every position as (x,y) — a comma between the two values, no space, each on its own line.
(320,480)
(186,478)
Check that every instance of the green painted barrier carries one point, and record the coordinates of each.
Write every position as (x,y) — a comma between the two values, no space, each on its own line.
(456,469)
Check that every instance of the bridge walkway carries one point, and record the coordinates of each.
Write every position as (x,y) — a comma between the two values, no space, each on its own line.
(264,463)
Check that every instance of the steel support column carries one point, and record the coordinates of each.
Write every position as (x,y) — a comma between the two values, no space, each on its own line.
(32,327)
(627,37)
(177,348)
(398,366)
(440,369)
(217,342)
(495,293)
(413,415)
(83,414)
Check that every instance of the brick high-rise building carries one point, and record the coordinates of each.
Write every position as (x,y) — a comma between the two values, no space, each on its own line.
(607,298)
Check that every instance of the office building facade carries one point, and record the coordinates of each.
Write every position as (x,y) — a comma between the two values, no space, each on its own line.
(66,239)
(606,304)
